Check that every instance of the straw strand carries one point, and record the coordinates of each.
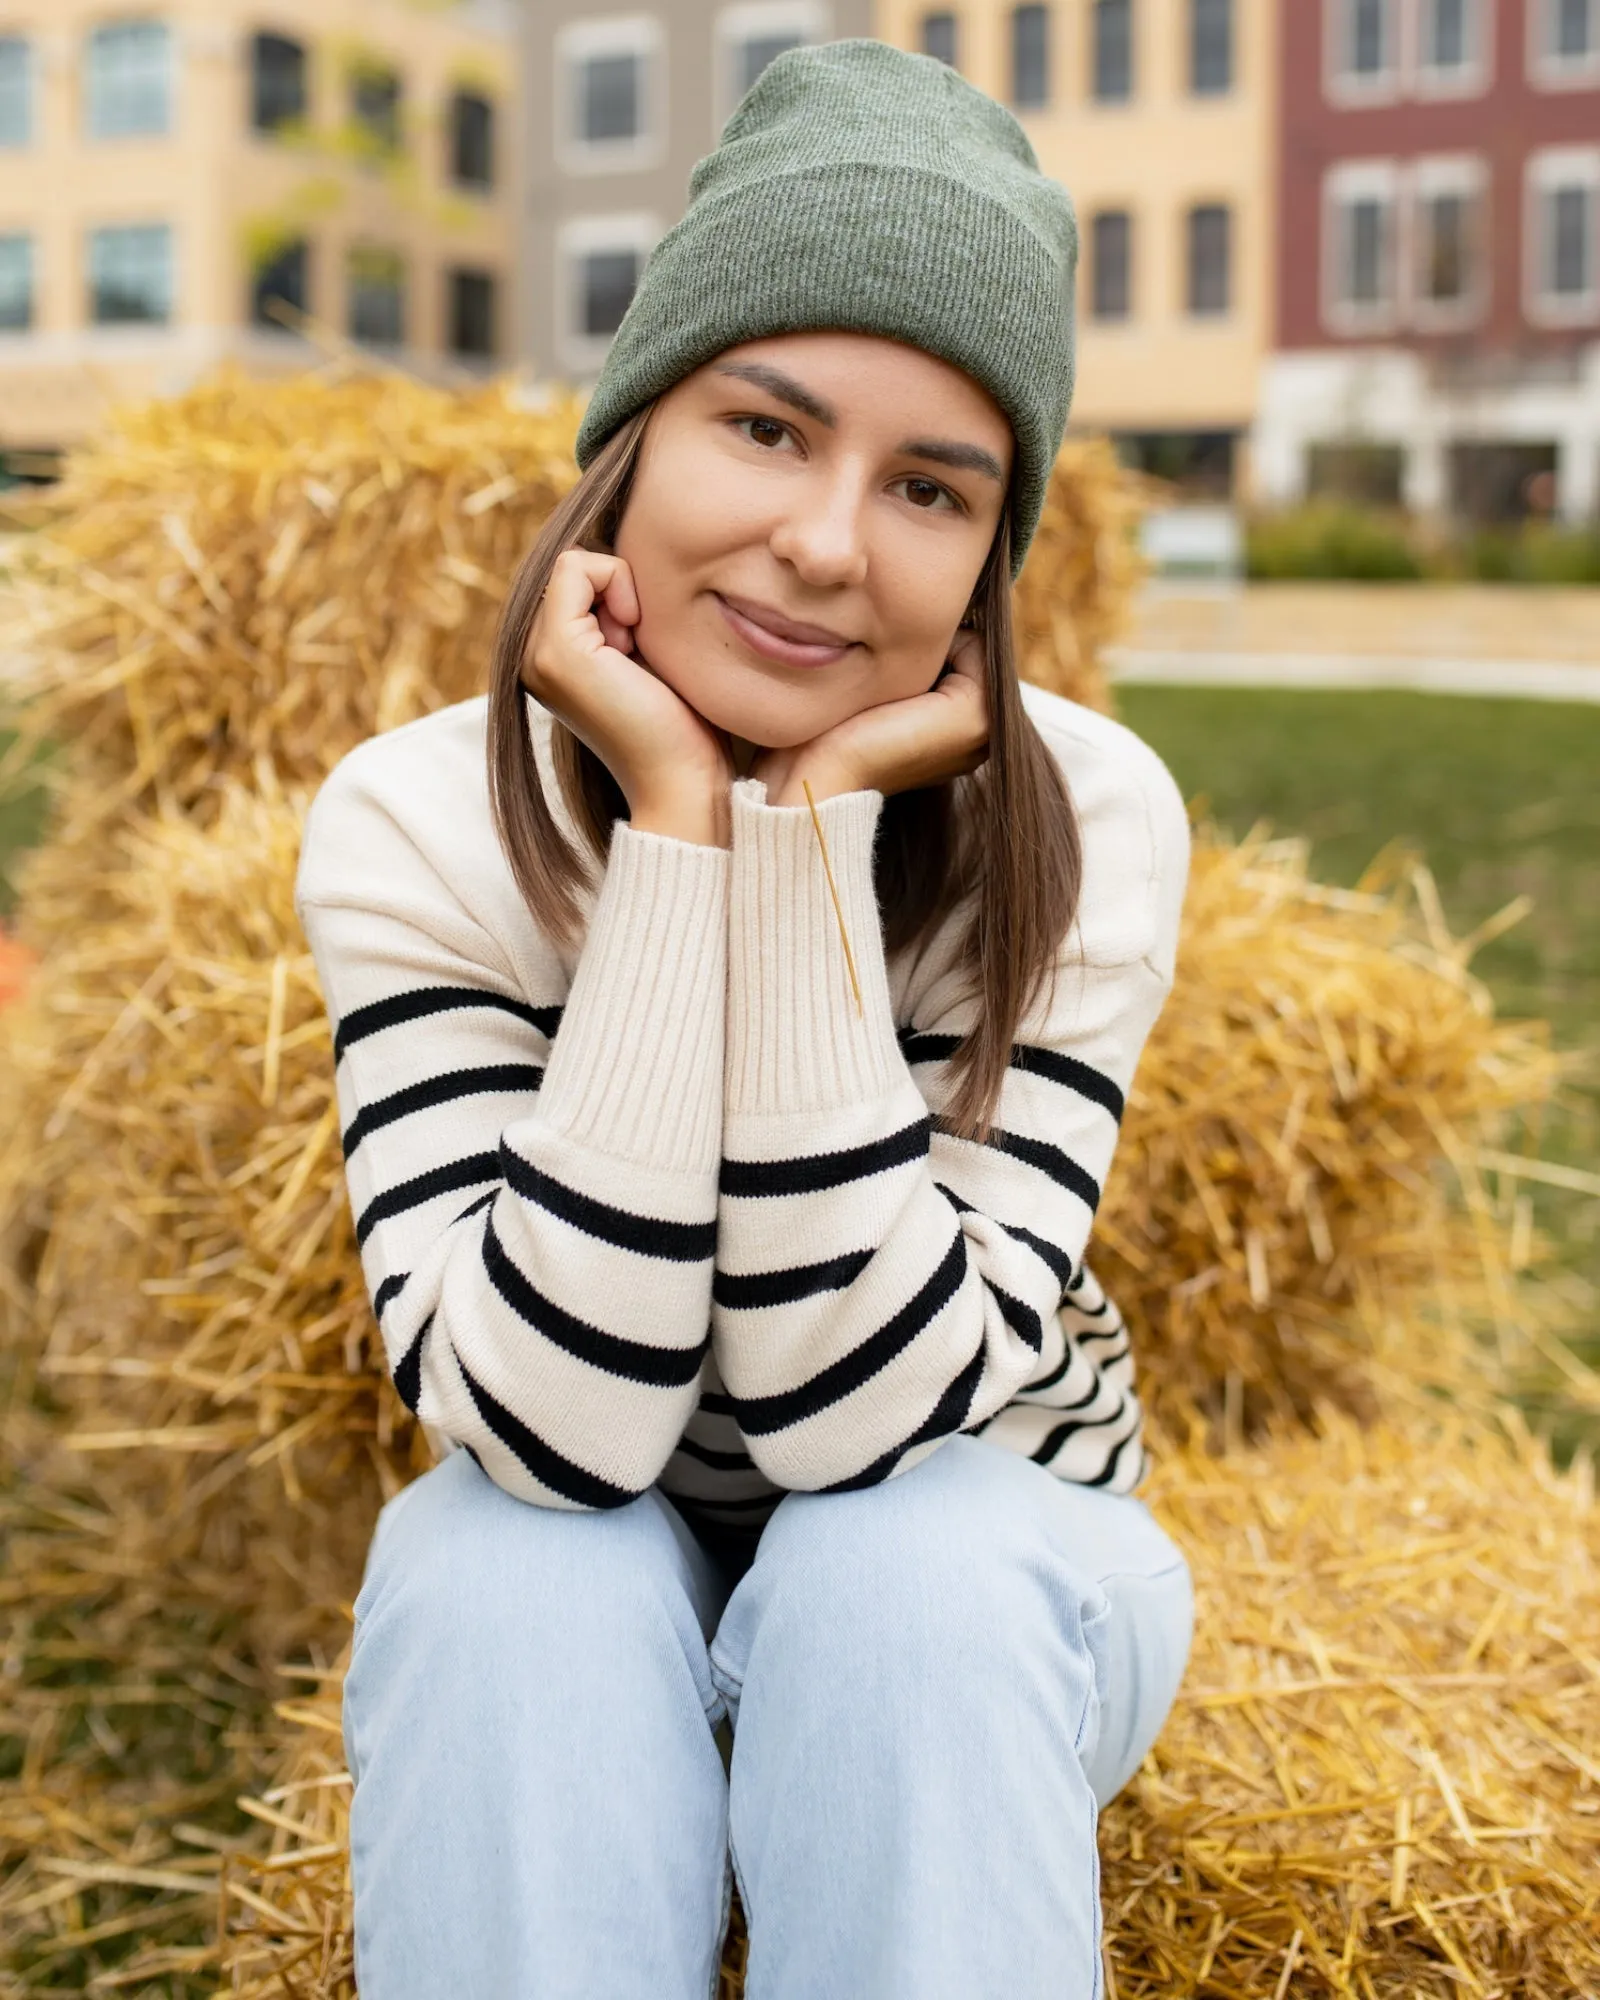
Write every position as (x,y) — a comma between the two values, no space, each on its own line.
(838,909)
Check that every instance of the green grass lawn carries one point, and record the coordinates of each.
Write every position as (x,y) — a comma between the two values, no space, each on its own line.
(1500,798)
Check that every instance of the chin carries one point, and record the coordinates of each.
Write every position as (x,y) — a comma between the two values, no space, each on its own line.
(747,703)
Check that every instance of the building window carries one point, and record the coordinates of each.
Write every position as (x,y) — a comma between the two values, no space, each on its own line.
(1209,260)
(1564,43)
(939,37)
(1210,47)
(1030,57)
(1362,58)
(1111,66)
(128,82)
(16,283)
(1563,232)
(751,36)
(375,107)
(130,276)
(1111,264)
(471,140)
(1359,224)
(281,280)
(599,259)
(471,310)
(277,83)
(1452,47)
(376,296)
(16,94)
(1448,265)
(609,84)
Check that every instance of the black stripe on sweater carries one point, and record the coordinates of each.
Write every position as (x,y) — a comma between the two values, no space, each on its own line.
(436,1090)
(408,1370)
(585,1489)
(1062,1432)
(1051,1160)
(1108,1471)
(647,1235)
(404,1195)
(390,1288)
(759,1416)
(630,1360)
(948,1416)
(809,1172)
(423,1000)
(745,1291)
(1078,1077)
(1056,1261)
(719,1461)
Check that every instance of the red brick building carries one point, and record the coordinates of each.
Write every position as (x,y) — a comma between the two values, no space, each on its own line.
(1438,267)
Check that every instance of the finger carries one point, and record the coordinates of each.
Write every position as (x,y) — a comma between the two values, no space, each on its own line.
(612,630)
(579,577)
(966,656)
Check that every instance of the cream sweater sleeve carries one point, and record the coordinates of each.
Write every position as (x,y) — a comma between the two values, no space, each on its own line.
(881,1285)
(532,1170)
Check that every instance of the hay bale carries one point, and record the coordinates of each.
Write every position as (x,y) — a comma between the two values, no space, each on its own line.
(1296,1213)
(1379,1778)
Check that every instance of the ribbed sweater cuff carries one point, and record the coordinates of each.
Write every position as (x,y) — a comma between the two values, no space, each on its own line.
(637,1066)
(795,1039)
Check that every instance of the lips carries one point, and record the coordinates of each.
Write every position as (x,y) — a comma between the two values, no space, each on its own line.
(770,633)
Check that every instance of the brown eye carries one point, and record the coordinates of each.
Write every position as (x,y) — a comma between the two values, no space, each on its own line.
(765,431)
(926,494)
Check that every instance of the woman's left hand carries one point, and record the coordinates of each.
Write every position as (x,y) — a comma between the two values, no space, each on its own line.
(925,739)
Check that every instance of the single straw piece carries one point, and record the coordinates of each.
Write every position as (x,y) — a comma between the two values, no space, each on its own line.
(838,911)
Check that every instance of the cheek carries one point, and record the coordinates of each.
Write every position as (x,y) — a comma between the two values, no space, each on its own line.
(922,605)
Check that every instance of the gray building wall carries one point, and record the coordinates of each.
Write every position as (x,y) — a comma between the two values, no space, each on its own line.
(592,206)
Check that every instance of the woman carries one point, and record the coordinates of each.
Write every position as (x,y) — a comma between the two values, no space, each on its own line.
(736,1233)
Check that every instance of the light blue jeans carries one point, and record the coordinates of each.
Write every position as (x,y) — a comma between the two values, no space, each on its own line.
(934,1684)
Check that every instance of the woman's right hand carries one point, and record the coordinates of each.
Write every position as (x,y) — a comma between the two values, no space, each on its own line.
(579,663)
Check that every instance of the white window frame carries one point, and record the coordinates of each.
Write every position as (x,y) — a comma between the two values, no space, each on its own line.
(1546,69)
(1344,86)
(1474,76)
(638,35)
(1444,174)
(1346,182)
(583,235)
(121,329)
(809,21)
(1557,167)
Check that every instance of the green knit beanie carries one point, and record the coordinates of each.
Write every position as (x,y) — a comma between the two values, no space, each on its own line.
(860,188)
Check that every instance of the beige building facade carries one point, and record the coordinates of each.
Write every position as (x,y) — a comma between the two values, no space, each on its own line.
(1158,116)
(180,178)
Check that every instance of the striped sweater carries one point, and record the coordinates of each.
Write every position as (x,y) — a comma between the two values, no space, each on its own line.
(664,1207)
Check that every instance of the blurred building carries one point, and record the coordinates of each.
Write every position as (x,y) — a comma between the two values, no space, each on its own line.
(174,176)
(620,103)
(1159,117)
(1438,266)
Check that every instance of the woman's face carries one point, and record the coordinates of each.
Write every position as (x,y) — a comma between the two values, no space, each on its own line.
(807,522)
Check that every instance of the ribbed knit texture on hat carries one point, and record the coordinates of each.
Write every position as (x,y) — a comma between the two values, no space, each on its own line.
(864,189)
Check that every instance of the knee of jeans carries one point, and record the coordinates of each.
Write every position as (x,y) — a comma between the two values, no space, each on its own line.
(462,1562)
(952,1550)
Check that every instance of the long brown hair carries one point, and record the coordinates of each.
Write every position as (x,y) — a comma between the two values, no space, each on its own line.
(1005,838)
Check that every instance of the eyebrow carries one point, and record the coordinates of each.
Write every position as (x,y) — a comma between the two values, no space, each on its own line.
(937,451)
(966,457)
(784,387)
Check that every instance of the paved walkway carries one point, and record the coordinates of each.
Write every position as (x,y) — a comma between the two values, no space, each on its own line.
(1541,644)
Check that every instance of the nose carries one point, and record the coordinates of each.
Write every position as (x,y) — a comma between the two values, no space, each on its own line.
(822,532)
